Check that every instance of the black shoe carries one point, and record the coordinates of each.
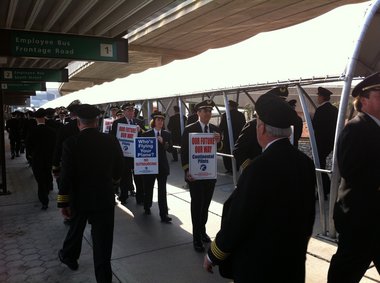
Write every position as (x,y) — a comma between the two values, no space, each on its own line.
(44,207)
(147,211)
(139,202)
(132,194)
(206,238)
(17,155)
(198,246)
(175,160)
(13,156)
(67,221)
(72,264)
(166,219)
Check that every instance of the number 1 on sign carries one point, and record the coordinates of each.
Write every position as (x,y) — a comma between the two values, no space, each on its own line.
(106,50)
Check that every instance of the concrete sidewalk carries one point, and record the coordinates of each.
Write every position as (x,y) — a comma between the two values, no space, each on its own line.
(145,250)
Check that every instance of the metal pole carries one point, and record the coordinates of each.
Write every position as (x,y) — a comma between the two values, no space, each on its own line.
(3,185)
(230,137)
(343,107)
(181,122)
(314,150)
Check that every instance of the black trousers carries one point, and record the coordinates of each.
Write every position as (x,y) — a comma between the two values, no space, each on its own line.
(325,177)
(201,192)
(356,250)
(15,146)
(138,179)
(148,192)
(126,182)
(102,225)
(44,179)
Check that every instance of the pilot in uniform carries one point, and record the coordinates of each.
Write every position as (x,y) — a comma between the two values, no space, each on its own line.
(201,191)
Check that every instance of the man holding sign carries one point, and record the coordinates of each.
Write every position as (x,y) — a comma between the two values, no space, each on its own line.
(125,129)
(201,189)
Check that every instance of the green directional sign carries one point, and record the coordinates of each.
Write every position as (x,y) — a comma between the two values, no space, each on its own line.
(62,46)
(29,75)
(23,86)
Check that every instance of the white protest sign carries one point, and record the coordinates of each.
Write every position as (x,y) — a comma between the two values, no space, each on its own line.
(107,125)
(146,156)
(125,134)
(202,156)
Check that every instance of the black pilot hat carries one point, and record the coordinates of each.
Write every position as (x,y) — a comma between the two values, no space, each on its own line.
(50,112)
(87,112)
(372,82)
(158,114)
(114,107)
(275,112)
(233,104)
(128,105)
(205,104)
(73,106)
(40,113)
(324,92)
(281,91)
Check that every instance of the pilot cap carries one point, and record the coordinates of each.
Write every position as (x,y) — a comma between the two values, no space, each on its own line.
(208,103)
(40,113)
(87,112)
(372,82)
(128,105)
(275,112)
(324,92)
(158,114)
(281,91)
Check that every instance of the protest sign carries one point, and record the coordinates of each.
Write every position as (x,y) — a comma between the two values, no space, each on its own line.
(202,156)
(107,125)
(146,156)
(125,134)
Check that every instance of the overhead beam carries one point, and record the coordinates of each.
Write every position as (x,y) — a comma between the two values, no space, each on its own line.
(11,13)
(120,15)
(78,14)
(33,15)
(56,14)
(106,8)
(161,51)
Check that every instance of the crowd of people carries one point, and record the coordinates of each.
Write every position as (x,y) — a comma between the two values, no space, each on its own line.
(275,192)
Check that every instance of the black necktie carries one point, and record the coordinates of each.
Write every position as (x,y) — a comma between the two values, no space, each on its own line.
(206,129)
(158,134)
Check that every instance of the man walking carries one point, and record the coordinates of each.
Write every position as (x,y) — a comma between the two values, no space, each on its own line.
(91,166)
(357,211)
(268,219)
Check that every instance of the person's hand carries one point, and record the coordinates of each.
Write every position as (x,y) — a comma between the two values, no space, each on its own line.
(138,128)
(188,176)
(160,139)
(66,212)
(217,137)
(207,264)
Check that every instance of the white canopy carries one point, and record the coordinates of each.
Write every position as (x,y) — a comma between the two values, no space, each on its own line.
(317,48)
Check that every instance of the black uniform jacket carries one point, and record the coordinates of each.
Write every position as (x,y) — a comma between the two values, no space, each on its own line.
(268,219)
(174,126)
(64,132)
(358,155)
(91,163)
(237,122)
(163,163)
(324,124)
(13,128)
(194,128)
(246,146)
(41,142)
